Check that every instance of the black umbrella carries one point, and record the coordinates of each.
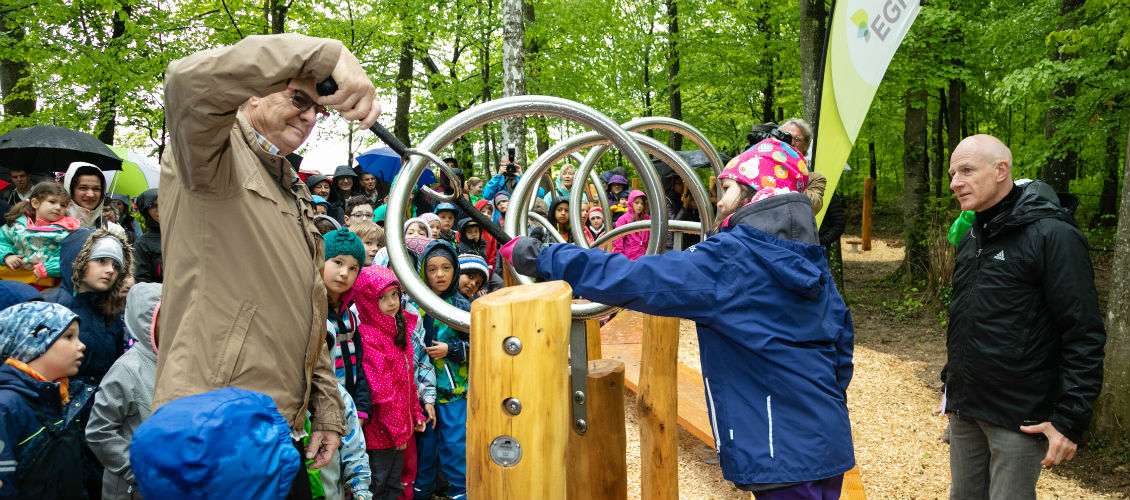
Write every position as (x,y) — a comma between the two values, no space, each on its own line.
(696,158)
(44,149)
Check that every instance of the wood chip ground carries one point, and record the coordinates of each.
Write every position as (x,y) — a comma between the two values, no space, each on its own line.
(896,434)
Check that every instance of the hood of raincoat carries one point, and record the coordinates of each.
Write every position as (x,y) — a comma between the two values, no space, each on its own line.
(336,194)
(313,180)
(787,216)
(373,282)
(15,292)
(618,179)
(92,217)
(212,445)
(441,248)
(553,208)
(27,330)
(464,224)
(142,304)
(144,200)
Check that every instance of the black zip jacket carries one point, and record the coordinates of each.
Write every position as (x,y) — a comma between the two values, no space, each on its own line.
(1025,339)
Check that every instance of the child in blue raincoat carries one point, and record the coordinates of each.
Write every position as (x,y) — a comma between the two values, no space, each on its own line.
(774,335)
(40,407)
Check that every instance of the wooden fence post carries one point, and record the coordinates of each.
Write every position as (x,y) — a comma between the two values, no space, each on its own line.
(592,337)
(658,405)
(868,188)
(518,416)
(598,464)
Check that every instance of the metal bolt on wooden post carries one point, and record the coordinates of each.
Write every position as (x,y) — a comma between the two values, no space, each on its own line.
(519,456)
(658,405)
(868,189)
(598,462)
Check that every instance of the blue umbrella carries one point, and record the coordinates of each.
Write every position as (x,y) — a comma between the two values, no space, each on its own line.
(384,164)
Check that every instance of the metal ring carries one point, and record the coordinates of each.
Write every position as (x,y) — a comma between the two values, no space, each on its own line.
(460,124)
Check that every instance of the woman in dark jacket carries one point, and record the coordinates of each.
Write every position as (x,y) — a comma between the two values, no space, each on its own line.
(147,250)
(345,184)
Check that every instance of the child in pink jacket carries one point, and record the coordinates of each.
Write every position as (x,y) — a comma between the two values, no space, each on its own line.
(633,245)
(388,353)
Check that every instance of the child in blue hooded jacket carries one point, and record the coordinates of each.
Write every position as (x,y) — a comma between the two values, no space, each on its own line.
(774,335)
(448,348)
(40,408)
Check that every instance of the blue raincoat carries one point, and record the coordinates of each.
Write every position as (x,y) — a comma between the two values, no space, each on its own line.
(775,337)
(226,443)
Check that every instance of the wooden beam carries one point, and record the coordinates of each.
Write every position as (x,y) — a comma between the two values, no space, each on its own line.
(868,188)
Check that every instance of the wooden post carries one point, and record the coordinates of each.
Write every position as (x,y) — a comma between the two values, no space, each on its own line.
(868,187)
(598,462)
(592,333)
(635,183)
(658,405)
(536,376)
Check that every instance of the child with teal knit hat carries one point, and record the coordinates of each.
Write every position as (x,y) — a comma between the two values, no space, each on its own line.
(345,256)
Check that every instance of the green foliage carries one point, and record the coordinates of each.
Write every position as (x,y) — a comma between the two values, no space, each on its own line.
(613,56)
(908,308)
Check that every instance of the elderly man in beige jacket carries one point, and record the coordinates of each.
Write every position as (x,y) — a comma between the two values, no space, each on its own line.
(243,303)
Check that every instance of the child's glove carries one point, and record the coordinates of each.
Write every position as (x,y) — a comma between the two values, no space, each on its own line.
(40,271)
(522,252)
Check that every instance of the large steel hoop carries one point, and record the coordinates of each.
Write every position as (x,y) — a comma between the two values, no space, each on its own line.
(667,155)
(473,118)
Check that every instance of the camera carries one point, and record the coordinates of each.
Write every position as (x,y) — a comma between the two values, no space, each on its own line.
(511,168)
(766,131)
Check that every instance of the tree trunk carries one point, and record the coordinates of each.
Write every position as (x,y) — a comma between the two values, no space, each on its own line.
(404,86)
(914,163)
(813,17)
(1061,167)
(953,114)
(674,140)
(1108,200)
(1112,409)
(274,12)
(514,73)
(17,89)
(108,94)
(769,91)
(937,167)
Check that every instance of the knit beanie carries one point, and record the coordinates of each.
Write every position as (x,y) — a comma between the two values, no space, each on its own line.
(344,242)
(470,263)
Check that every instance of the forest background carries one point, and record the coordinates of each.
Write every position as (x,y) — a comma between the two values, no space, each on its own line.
(1048,77)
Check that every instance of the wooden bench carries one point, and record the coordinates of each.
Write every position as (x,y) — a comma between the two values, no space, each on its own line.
(620,339)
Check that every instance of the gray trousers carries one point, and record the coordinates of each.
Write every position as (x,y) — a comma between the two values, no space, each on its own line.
(385,466)
(988,462)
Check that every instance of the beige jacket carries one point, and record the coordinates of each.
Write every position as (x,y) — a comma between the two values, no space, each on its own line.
(243,304)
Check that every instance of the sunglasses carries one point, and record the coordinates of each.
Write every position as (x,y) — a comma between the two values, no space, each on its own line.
(303,102)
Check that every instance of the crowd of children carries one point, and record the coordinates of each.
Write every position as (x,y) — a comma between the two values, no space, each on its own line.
(80,357)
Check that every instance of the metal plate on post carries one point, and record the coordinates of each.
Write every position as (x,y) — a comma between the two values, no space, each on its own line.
(505,451)
(579,373)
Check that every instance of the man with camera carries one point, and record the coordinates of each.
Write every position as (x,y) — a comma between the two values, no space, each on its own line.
(506,178)
(796,133)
